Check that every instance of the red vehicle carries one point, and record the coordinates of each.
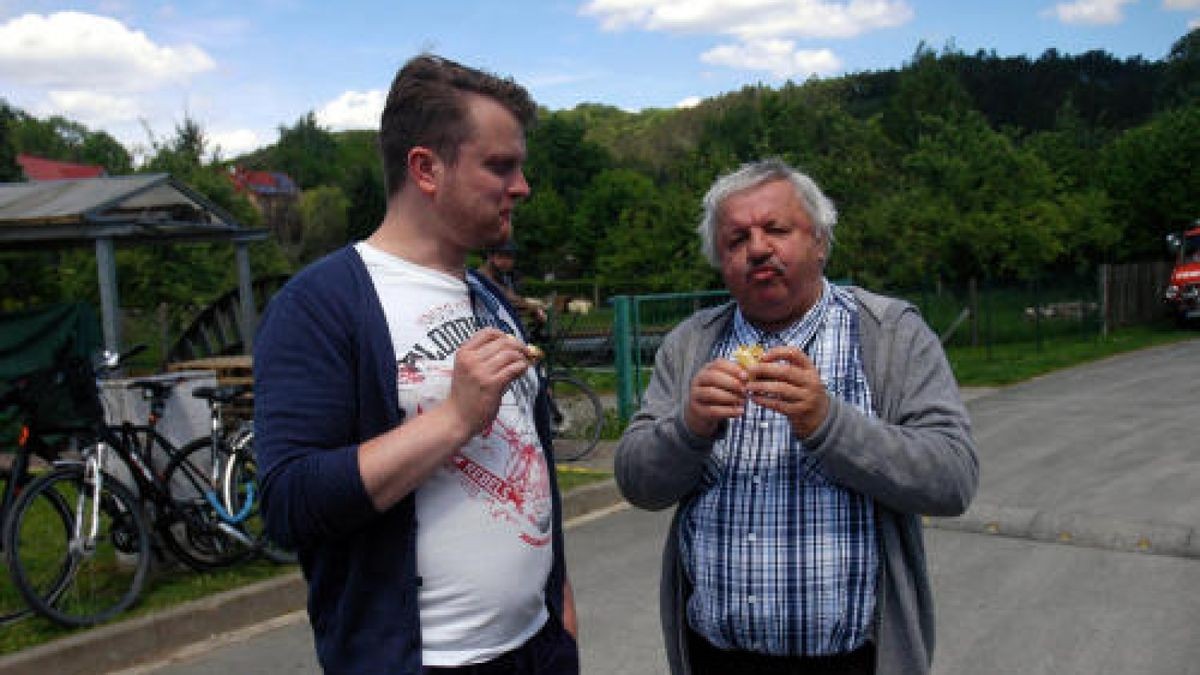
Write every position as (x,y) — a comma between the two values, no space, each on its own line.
(1183,292)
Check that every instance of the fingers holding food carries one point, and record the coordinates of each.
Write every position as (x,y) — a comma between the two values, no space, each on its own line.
(748,355)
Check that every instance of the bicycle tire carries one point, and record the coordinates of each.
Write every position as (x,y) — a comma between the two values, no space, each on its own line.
(13,605)
(577,417)
(239,486)
(101,582)
(196,534)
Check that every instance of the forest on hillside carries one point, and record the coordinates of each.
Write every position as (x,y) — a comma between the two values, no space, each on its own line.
(950,167)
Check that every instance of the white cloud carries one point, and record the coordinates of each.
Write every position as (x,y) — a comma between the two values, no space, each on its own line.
(1193,24)
(689,102)
(353,110)
(779,57)
(235,142)
(1090,12)
(91,108)
(75,51)
(1182,5)
(750,19)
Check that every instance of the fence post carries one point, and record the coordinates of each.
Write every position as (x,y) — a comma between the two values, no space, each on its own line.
(623,355)
(1104,299)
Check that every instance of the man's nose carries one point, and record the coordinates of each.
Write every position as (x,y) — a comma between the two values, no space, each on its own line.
(520,187)
(757,245)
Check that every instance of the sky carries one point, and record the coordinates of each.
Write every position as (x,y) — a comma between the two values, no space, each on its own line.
(242,70)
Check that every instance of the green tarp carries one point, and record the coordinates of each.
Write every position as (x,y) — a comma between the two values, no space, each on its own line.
(33,339)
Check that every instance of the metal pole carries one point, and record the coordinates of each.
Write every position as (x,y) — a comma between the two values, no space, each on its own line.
(247,316)
(622,356)
(106,269)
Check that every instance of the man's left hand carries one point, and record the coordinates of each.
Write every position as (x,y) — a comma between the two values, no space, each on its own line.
(786,381)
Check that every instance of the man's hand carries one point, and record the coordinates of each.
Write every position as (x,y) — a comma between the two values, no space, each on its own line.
(483,367)
(718,393)
(786,381)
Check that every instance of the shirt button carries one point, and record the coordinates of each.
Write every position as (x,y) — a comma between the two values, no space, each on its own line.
(764,426)
(751,599)
(750,537)
(756,479)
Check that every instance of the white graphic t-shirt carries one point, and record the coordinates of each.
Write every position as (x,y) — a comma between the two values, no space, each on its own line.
(483,518)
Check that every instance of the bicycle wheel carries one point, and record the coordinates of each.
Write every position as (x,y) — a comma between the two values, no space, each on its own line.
(195,532)
(104,551)
(55,517)
(240,496)
(576,417)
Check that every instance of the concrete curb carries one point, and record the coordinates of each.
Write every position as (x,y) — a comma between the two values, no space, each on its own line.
(125,644)
(1076,529)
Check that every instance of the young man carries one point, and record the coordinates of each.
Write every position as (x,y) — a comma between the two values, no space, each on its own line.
(800,472)
(402,436)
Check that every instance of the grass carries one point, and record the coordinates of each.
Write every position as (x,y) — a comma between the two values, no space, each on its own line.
(176,585)
(1010,363)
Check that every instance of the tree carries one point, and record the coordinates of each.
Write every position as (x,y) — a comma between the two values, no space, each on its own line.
(307,153)
(928,89)
(323,215)
(10,171)
(996,205)
(367,203)
(61,139)
(1152,177)
(1181,77)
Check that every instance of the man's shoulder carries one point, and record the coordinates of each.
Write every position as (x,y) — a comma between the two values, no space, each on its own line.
(330,275)
(881,308)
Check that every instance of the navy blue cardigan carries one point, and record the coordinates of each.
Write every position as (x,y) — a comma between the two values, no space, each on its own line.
(324,381)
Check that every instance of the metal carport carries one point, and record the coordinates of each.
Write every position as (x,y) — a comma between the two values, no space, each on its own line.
(126,210)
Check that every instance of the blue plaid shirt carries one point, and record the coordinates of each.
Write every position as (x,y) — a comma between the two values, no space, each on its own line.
(783,560)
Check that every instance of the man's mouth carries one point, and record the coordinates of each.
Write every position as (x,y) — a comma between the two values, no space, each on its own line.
(764,273)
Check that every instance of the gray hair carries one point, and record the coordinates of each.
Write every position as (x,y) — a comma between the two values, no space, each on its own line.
(819,208)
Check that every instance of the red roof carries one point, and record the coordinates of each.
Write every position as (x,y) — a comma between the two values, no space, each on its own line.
(40,168)
(262,182)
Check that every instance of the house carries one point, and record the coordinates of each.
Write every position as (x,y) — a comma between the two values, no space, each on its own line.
(275,195)
(41,169)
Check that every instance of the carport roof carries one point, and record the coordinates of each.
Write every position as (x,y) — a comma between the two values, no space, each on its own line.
(138,209)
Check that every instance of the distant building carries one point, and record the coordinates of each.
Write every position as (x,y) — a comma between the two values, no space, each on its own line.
(40,169)
(275,195)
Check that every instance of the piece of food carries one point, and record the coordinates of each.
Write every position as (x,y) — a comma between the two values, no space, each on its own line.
(748,355)
(534,353)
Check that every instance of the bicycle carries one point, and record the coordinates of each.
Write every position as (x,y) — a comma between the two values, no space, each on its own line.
(230,486)
(576,414)
(26,394)
(108,545)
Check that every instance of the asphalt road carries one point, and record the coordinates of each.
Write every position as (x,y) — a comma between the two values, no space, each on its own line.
(1081,553)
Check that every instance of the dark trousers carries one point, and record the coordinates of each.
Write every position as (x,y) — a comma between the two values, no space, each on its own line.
(552,651)
(709,660)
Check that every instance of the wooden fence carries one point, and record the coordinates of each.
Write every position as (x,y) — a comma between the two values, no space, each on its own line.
(1132,293)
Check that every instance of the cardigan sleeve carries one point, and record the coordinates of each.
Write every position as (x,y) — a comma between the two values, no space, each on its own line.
(918,456)
(306,431)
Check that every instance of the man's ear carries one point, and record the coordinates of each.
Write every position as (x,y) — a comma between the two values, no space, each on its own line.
(424,169)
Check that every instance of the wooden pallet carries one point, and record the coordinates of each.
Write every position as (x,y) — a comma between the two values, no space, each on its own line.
(229,370)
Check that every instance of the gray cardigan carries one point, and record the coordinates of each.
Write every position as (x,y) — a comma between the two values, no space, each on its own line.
(917,458)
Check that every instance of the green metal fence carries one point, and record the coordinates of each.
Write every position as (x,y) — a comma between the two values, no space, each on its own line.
(979,315)
(639,324)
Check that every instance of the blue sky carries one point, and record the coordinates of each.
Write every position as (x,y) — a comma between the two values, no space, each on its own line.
(243,69)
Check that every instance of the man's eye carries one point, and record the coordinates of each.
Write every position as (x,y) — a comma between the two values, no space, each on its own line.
(502,167)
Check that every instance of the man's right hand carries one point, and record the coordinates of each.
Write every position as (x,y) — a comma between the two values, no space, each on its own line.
(718,393)
(483,368)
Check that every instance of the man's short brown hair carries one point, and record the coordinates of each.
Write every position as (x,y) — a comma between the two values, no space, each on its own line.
(426,107)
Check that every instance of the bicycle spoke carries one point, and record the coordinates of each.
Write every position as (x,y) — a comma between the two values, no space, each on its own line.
(576,417)
(63,572)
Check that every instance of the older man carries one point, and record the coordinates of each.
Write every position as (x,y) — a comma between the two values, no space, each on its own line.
(801,430)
